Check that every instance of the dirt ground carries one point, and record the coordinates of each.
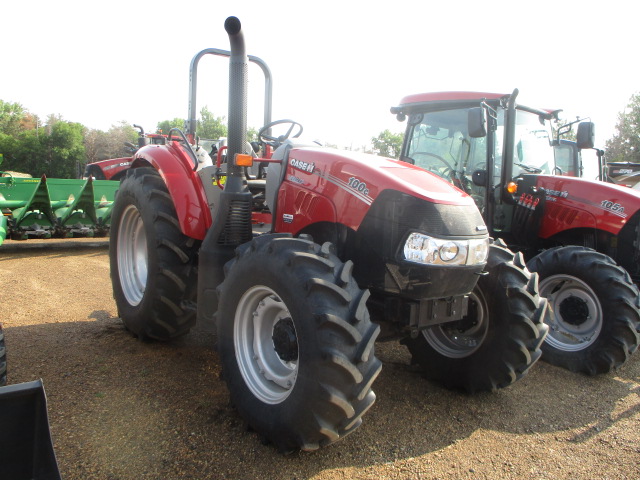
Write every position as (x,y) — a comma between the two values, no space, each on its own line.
(123,409)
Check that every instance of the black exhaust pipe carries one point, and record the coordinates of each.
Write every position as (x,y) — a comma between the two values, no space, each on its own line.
(231,224)
(238,71)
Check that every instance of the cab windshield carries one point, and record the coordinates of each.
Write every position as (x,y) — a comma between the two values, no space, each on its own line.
(440,143)
(533,152)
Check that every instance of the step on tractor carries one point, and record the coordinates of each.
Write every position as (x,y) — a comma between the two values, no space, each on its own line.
(582,237)
(301,265)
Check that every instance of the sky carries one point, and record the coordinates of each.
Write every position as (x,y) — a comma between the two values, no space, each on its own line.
(337,66)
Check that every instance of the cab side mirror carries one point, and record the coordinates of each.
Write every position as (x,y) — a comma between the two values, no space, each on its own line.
(585,138)
(479,178)
(477,122)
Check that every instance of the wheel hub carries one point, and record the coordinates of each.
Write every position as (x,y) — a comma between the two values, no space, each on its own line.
(574,310)
(132,255)
(460,339)
(285,341)
(575,314)
(266,344)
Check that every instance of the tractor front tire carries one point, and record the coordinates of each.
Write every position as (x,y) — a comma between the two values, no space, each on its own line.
(153,264)
(295,342)
(499,339)
(594,309)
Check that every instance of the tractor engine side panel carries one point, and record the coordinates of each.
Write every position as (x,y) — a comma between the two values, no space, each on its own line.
(574,203)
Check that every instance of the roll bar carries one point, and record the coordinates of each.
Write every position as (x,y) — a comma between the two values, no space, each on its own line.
(190,126)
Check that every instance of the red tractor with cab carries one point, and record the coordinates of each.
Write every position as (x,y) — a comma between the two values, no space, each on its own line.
(299,265)
(582,237)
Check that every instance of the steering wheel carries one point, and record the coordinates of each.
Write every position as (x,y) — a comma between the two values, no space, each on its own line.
(276,141)
(448,171)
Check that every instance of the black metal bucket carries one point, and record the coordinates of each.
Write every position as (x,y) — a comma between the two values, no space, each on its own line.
(26,449)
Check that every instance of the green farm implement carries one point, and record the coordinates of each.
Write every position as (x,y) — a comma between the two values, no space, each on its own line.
(54,207)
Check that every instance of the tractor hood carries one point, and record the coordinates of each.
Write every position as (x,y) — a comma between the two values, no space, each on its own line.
(341,186)
(577,203)
(366,175)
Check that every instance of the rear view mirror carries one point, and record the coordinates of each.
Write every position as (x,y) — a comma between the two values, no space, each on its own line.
(477,122)
(585,138)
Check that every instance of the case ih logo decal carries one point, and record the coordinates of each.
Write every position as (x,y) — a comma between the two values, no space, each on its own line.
(116,165)
(304,166)
(552,194)
(613,207)
(353,186)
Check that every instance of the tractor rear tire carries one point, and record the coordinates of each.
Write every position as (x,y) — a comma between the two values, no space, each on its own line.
(499,339)
(3,360)
(153,264)
(296,342)
(594,309)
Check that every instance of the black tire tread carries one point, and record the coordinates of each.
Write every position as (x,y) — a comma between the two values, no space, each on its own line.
(345,367)
(514,338)
(164,312)
(620,300)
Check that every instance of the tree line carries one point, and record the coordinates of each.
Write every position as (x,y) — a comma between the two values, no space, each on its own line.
(61,149)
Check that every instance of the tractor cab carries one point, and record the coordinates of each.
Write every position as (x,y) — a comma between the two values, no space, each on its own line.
(484,143)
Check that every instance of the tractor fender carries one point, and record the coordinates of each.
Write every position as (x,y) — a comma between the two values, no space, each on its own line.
(186,191)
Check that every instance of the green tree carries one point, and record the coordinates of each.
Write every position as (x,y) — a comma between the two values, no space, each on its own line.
(209,126)
(388,144)
(166,125)
(55,151)
(65,153)
(11,118)
(624,146)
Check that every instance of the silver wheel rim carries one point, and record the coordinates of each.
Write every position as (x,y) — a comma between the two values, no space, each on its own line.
(270,378)
(451,341)
(132,255)
(575,314)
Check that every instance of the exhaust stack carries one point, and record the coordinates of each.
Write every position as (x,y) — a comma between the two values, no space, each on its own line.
(238,71)
(232,215)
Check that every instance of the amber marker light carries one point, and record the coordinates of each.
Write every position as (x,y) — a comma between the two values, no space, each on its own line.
(512,187)
(244,160)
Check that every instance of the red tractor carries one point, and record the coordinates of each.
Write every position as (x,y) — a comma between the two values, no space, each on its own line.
(576,234)
(291,270)
(116,168)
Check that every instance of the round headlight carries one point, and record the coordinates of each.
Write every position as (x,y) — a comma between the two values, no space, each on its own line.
(448,251)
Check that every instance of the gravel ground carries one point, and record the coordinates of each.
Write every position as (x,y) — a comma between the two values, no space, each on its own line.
(120,408)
